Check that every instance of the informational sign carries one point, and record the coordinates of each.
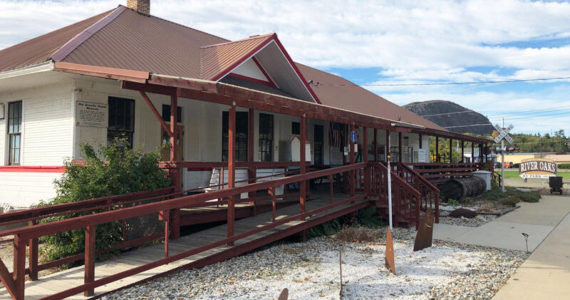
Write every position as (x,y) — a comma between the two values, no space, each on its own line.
(504,134)
(91,114)
(537,168)
(353,136)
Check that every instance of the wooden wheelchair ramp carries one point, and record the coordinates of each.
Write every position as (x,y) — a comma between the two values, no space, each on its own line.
(58,282)
(195,250)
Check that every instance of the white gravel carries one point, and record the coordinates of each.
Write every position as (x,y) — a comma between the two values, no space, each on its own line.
(311,271)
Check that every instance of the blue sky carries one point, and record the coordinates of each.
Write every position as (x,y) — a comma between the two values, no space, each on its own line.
(384,45)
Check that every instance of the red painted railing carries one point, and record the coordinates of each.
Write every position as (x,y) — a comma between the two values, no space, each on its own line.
(429,192)
(15,282)
(438,172)
(406,200)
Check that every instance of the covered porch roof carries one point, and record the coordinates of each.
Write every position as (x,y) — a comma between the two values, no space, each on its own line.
(223,93)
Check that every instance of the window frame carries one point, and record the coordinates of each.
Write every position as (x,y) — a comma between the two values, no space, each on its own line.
(121,129)
(11,133)
(266,136)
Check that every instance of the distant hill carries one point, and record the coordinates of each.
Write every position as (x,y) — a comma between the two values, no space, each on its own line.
(444,113)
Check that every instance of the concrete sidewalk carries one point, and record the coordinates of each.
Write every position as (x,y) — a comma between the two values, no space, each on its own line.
(546,273)
(535,219)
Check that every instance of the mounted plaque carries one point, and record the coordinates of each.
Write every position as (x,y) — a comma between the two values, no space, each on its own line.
(91,114)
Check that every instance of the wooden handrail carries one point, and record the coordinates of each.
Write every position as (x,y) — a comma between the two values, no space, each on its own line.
(90,221)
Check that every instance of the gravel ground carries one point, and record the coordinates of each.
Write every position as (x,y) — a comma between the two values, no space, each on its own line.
(311,271)
(473,222)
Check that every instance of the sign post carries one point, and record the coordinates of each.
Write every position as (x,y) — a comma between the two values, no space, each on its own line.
(502,137)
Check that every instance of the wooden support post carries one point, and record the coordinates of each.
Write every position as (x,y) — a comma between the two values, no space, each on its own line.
(176,174)
(33,255)
(450,150)
(231,170)
(19,267)
(331,179)
(352,180)
(251,172)
(89,275)
(303,166)
(462,151)
(273,202)
(165,217)
(437,149)
(399,147)
(375,147)
(387,146)
(365,159)
(472,152)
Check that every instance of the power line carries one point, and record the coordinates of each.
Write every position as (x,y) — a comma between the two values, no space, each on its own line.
(443,83)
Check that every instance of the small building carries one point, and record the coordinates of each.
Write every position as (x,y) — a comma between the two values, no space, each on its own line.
(126,73)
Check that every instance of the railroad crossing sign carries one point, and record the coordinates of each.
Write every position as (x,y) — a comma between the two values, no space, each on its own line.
(504,134)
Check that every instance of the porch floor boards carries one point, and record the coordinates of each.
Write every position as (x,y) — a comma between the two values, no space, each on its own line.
(66,279)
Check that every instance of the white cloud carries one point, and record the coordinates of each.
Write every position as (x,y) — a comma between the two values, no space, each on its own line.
(410,41)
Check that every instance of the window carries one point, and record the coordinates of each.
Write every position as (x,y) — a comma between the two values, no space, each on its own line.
(295,128)
(14,132)
(266,137)
(166,113)
(121,120)
(242,125)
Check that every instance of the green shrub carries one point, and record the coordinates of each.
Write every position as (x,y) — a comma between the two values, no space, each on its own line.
(112,170)
(563,166)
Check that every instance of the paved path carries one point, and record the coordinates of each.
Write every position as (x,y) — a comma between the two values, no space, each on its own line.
(535,219)
(546,273)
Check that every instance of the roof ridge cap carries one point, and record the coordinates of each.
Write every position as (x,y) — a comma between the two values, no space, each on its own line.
(246,39)
(61,53)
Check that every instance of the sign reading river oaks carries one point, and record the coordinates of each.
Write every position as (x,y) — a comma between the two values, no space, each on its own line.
(537,168)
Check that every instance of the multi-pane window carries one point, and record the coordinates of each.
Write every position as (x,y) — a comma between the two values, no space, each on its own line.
(14,132)
(266,137)
(166,113)
(121,120)
(241,134)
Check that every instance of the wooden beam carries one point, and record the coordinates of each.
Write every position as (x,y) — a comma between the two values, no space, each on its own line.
(462,150)
(7,279)
(177,172)
(19,266)
(231,169)
(420,139)
(387,146)
(33,255)
(400,147)
(89,272)
(472,152)
(437,149)
(365,160)
(156,114)
(375,147)
(451,150)
(251,171)
(302,155)
(351,160)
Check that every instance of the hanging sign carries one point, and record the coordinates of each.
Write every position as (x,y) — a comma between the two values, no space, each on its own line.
(537,168)
(91,114)
(353,136)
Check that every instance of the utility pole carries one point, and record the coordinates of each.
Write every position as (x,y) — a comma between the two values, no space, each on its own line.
(503,160)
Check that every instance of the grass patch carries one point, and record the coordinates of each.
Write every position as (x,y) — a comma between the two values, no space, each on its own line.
(510,197)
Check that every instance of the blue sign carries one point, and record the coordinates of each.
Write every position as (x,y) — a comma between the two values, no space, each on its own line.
(353,136)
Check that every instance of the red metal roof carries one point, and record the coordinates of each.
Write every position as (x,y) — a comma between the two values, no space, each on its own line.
(123,39)
(40,49)
(219,59)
